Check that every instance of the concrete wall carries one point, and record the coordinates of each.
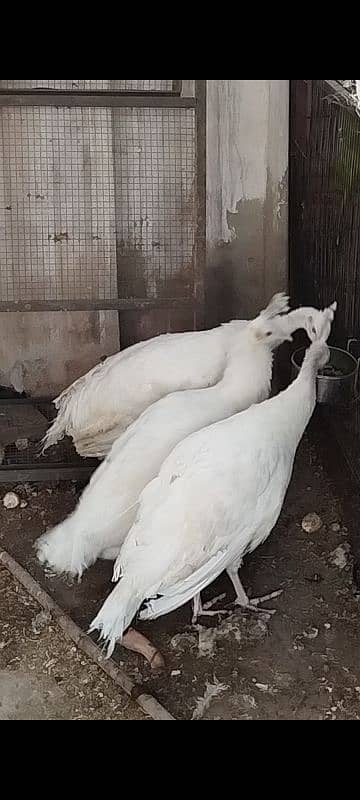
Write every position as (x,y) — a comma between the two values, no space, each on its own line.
(248,156)
(42,353)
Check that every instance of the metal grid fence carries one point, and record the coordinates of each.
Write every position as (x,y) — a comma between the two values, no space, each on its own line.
(91,86)
(102,206)
(99,206)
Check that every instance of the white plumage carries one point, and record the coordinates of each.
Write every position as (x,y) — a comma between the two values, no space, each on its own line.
(108,507)
(99,407)
(218,497)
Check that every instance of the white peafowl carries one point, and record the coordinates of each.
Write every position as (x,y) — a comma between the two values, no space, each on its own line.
(99,407)
(108,507)
(217,498)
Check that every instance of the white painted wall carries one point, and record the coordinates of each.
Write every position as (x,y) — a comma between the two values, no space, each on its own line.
(248,158)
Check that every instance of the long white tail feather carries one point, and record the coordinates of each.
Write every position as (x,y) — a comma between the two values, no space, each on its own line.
(70,549)
(55,433)
(64,552)
(182,593)
(117,613)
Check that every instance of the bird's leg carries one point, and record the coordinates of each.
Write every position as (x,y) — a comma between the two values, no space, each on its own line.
(197,608)
(204,611)
(242,599)
(137,643)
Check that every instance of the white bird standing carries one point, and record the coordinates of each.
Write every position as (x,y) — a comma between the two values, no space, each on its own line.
(217,498)
(108,507)
(100,406)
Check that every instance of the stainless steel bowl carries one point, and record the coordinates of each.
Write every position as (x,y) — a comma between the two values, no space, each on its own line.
(334,391)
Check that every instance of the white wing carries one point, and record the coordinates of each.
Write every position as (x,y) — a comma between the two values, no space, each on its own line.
(115,393)
(217,497)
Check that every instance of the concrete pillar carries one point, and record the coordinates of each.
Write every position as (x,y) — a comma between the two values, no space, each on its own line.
(247,177)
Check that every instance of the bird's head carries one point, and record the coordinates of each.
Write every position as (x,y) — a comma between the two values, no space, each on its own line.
(269,327)
(319,353)
(318,323)
(272,332)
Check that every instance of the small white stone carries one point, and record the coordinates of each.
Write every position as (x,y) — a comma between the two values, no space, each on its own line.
(312,633)
(312,523)
(11,501)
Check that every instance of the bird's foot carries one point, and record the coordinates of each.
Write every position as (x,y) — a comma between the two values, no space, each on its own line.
(254,604)
(205,610)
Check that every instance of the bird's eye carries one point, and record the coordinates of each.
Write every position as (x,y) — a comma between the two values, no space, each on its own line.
(269,334)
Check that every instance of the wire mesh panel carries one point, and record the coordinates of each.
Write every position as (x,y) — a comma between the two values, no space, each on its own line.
(102,206)
(155,201)
(57,213)
(90,86)
(96,203)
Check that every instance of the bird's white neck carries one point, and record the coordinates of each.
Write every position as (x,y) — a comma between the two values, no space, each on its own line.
(248,374)
(297,403)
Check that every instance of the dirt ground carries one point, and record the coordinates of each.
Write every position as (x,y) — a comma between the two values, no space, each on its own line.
(301,664)
(42,675)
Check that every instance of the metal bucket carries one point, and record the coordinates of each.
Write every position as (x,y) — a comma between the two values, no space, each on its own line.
(334,391)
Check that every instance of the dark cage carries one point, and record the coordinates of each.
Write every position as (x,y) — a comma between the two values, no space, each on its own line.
(102,208)
(325,221)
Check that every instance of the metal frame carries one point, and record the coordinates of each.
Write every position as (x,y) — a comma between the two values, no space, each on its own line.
(95,99)
(55,474)
(103,99)
(41,474)
(69,472)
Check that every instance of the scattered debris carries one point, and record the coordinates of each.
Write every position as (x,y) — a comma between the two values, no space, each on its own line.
(41,622)
(312,523)
(250,701)
(317,578)
(11,501)
(238,625)
(311,634)
(212,692)
(183,642)
(24,504)
(336,528)
(21,445)
(176,673)
(263,687)
(340,557)
(208,638)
